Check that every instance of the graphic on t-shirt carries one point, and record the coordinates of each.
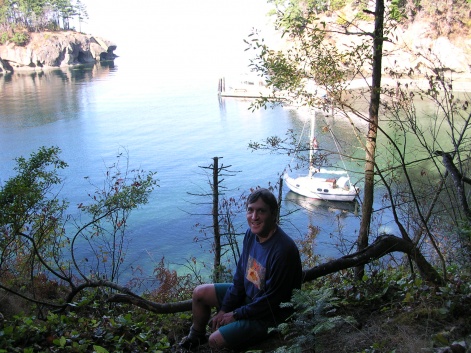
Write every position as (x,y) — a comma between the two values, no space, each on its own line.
(255,273)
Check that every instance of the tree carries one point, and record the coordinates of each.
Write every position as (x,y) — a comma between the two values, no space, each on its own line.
(313,59)
(36,247)
(223,209)
(373,123)
(38,15)
(81,12)
(310,56)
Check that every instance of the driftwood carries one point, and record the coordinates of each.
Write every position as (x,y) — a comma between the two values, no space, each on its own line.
(383,245)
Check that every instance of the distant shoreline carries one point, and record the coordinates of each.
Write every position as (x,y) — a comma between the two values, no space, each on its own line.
(461,83)
(30,70)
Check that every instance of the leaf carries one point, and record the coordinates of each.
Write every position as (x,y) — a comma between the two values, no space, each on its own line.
(408,298)
(443,311)
(440,338)
(100,349)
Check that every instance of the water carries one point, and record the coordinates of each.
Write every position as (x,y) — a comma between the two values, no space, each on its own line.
(158,102)
(170,127)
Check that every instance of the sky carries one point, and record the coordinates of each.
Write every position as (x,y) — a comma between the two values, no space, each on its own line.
(205,34)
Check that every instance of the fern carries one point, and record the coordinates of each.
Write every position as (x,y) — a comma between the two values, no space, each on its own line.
(313,316)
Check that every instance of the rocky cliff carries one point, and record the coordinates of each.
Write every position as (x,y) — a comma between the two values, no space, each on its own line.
(55,49)
(415,46)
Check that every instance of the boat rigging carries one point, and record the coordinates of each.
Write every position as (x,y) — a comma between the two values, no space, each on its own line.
(323,184)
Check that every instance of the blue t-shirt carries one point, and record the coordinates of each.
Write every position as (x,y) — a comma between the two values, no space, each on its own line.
(266,275)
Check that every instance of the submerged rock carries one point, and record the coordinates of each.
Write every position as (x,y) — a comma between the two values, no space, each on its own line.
(55,49)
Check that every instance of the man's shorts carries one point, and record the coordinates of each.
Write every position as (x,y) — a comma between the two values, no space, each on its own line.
(241,332)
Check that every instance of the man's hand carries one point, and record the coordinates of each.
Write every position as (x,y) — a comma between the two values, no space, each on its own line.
(221,319)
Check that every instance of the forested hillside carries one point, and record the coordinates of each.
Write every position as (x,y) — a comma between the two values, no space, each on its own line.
(18,18)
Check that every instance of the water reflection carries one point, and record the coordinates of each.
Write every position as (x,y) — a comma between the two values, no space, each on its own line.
(343,209)
(36,98)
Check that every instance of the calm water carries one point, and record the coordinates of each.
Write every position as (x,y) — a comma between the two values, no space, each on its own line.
(172,126)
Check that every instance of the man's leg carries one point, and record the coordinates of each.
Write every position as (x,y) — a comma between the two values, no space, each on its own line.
(203,300)
(216,341)
(239,334)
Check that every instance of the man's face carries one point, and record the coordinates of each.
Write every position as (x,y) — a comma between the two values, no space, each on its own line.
(260,219)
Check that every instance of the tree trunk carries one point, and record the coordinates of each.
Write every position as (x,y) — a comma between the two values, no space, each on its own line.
(368,196)
(215,214)
(458,181)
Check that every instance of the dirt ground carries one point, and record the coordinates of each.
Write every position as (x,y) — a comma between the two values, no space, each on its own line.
(415,328)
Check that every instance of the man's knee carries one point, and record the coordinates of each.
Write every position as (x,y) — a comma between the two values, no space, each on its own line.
(205,293)
(216,341)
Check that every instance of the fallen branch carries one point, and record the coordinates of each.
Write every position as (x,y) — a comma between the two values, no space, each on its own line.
(383,245)
(166,308)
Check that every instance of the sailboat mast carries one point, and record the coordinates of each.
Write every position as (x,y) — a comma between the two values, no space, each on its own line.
(311,142)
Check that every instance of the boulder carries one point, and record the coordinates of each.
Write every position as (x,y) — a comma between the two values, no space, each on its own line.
(56,49)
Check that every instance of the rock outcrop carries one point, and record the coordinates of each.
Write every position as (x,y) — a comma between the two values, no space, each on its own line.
(55,49)
(413,46)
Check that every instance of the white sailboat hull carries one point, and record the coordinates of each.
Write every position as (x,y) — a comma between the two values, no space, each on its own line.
(322,188)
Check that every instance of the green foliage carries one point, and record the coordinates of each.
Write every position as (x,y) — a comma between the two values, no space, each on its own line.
(4,37)
(297,9)
(19,37)
(311,66)
(315,314)
(95,328)
(336,5)
(37,249)
(37,15)
(396,10)
(464,232)
(30,214)
(338,304)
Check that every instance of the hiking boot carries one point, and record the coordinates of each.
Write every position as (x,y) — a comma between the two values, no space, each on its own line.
(192,343)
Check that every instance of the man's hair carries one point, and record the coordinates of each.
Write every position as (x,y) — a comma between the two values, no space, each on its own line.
(267,197)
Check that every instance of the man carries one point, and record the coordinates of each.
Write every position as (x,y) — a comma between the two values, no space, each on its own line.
(267,272)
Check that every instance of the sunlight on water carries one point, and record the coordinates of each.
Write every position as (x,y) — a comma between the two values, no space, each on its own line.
(175,132)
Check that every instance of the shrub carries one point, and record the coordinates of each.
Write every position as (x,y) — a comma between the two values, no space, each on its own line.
(3,37)
(19,38)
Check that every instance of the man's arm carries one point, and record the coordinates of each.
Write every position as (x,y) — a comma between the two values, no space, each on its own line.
(235,295)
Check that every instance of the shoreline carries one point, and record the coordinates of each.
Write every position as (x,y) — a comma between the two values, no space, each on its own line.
(37,69)
(460,84)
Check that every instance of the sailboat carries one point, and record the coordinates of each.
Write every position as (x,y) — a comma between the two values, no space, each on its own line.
(323,184)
